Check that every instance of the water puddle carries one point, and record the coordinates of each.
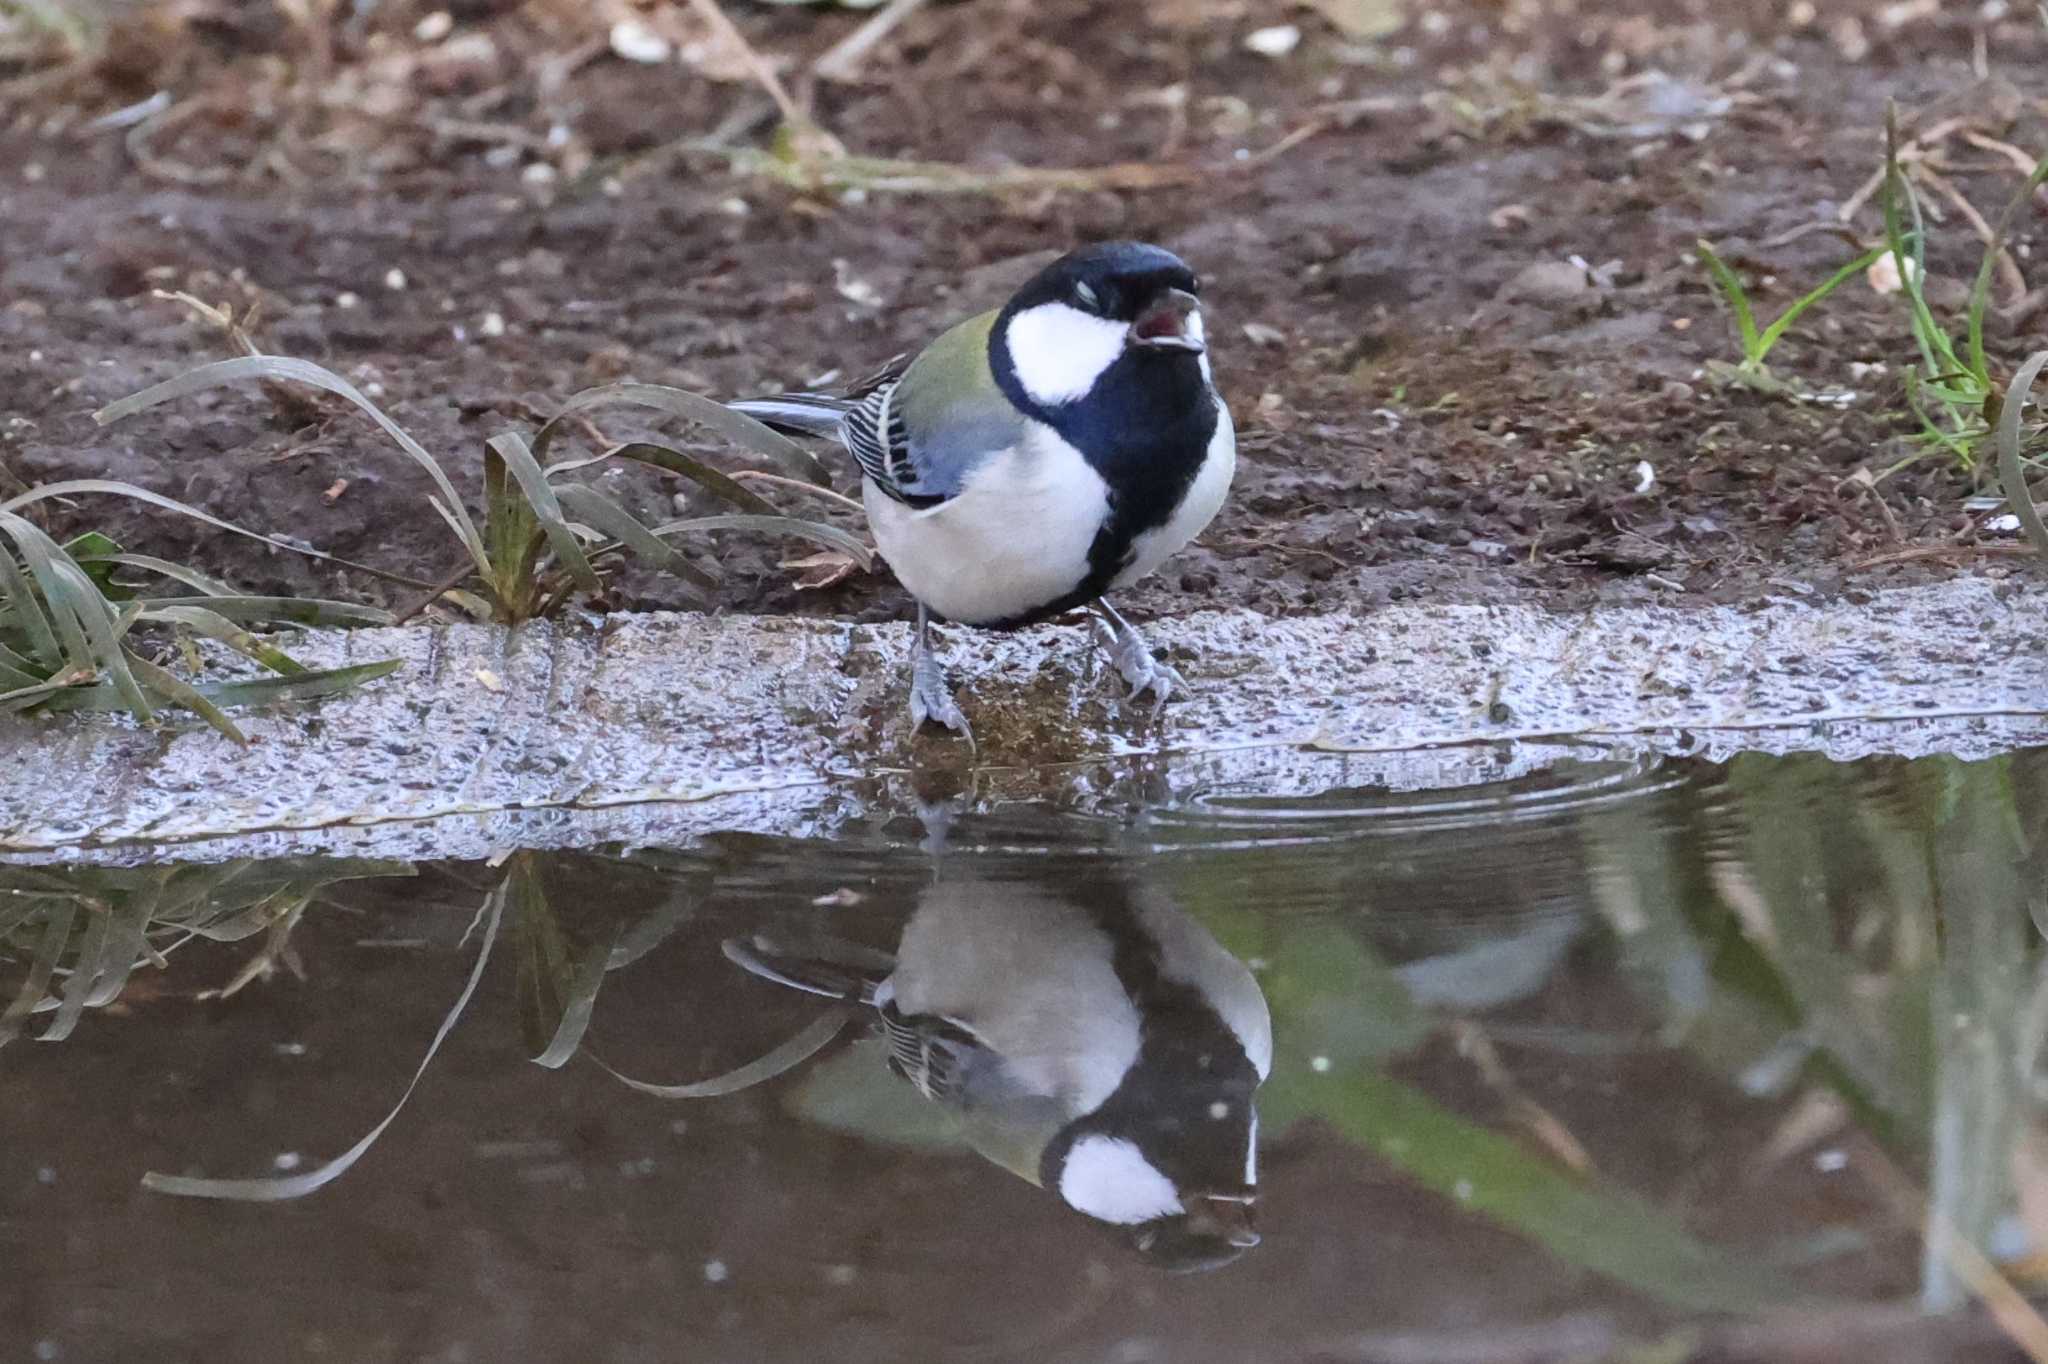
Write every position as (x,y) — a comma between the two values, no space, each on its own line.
(1635,1059)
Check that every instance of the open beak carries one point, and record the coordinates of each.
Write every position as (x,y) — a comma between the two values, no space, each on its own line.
(1227,1217)
(1171,321)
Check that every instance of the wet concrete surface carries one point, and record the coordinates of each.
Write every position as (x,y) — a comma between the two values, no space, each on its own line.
(663,727)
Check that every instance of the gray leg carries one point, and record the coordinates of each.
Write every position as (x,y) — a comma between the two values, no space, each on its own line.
(930,698)
(1141,672)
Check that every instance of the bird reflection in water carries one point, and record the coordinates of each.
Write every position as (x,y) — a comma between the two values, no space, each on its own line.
(1092,1038)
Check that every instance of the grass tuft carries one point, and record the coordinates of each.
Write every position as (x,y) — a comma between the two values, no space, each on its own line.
(544,538)
(68,626)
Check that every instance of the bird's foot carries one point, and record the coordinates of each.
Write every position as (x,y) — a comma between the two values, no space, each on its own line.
(931,699)
(1141,672)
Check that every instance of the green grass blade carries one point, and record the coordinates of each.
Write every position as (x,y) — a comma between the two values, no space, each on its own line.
(262,691)
(43,965)
(191,577)
(75,486)
(85,972)
(128,945)
(1737,298)
(510,447)
(223,373)
(2011,475)
(830,536)
(1980,291)
(13,679)
(215,626)
(579,999)
(277,610)
(24,698)
(736,427)
(697,471)
(299,1185)
(20,609)
(39,553)
(1609,1230)
(178,692)
(606,516)
(786,1057)
(1828,286)
(86,624)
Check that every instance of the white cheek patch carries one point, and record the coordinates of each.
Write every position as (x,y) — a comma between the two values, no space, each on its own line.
(1110,1180)
(1059,351)
(1251,1153)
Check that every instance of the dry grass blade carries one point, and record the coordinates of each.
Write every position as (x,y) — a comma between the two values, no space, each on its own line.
(298,1186)
(736,427)
(830,536)
(2012,473)
(786,1057)
(223,373)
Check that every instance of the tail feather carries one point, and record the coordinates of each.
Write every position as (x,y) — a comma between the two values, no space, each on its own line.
(798,414)
(840,971)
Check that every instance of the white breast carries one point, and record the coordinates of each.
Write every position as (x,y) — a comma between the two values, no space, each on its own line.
(1015,538)
(1032,976)
(1197,510)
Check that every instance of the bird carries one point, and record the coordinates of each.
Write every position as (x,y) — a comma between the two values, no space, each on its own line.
(1038,456)
(1093,1039)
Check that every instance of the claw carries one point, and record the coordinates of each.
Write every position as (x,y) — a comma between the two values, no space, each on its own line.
(931,700)
(1134,662)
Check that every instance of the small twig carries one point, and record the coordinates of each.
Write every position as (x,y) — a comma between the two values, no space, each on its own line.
(2007,1305)
(140,137)
(764,74)
(434,594)
(1793,234)
(842,61)
(1543,1125)
(1937,552)
(757,476)
(1275,546)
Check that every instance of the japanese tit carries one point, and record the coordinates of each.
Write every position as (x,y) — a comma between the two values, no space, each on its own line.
(1094,1040)
(1036,457)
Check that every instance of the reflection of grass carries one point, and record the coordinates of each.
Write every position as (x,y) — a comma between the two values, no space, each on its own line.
(1581,1222)
(78,936)
(1877,914)
(1340,1014)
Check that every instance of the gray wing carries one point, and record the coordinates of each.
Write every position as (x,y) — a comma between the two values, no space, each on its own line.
(923,458)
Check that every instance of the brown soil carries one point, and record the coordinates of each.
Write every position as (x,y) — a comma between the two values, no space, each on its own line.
(1421,410)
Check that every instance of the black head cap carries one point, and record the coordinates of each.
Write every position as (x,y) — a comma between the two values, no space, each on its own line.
(1110,279)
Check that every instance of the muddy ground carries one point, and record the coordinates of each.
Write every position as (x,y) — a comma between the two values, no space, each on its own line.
(1430,401)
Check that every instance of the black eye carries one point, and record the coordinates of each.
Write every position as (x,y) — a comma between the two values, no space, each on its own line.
(1087,296)
(1194,284)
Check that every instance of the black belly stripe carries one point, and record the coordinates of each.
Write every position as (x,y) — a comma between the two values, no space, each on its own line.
(1145,427)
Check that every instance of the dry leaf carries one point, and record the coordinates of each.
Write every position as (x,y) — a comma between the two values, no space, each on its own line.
(1362,21)
(822,569)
